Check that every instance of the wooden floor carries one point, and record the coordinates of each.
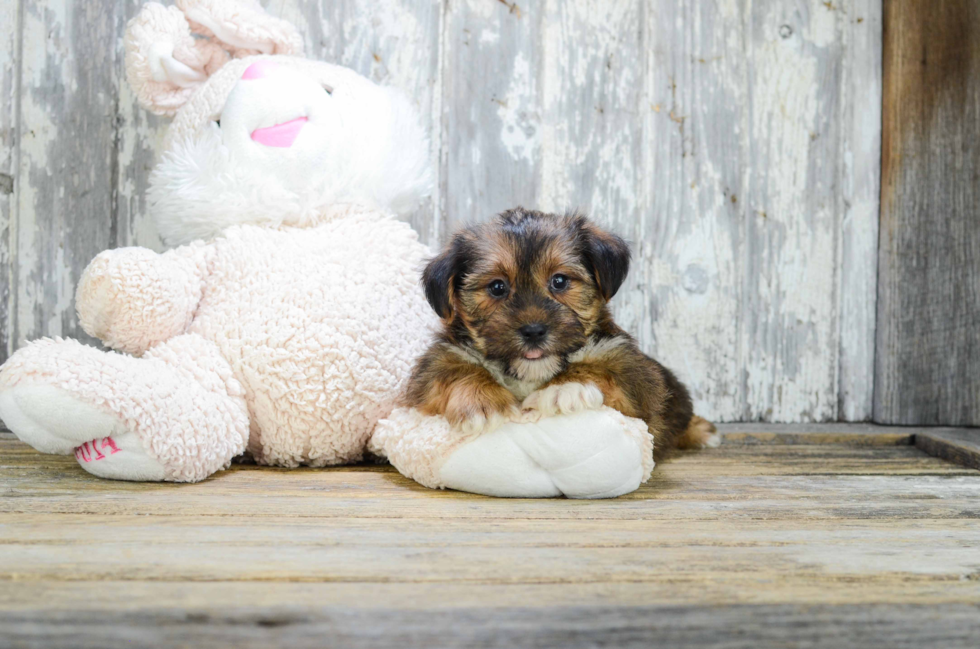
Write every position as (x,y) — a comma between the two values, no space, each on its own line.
(766,541)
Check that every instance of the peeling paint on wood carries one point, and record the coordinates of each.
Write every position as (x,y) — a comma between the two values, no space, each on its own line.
(734,144)
(139,134)
(9,48)
(684,305)
(860,114)
(492,115)
(788,308)
(67,111)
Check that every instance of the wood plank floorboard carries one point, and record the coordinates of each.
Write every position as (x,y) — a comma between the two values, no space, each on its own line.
(854,541)
(959,445)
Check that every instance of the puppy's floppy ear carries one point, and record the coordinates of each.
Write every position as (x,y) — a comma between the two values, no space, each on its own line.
(607,255)
(442,273)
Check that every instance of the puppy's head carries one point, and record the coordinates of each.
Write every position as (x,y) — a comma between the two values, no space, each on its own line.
(527,289)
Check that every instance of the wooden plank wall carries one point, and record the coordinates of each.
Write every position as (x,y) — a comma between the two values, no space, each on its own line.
(928,364)
(9,22)
(734,142)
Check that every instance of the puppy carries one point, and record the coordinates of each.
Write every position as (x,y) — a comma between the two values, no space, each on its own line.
(526,325)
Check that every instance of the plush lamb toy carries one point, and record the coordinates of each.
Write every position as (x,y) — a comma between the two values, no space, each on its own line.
(288,319)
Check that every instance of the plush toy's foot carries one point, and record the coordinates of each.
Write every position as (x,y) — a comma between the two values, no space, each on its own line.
(176,414)
(590,454)
(53,421)
(120,457)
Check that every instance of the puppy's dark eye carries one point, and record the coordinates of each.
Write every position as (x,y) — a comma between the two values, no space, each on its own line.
(497,288)
(559,282)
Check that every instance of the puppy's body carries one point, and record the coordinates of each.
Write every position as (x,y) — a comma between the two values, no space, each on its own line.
(524,302)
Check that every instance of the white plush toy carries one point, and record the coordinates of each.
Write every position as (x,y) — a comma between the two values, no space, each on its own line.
(288,319)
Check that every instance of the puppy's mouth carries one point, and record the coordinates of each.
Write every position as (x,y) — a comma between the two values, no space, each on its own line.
(534,354)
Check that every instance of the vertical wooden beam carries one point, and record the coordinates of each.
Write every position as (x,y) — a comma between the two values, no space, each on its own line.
(860,172)
(928,336)
(747,151)
(9,66)
(491,88)
(66,172)
(685,292)
(789,203)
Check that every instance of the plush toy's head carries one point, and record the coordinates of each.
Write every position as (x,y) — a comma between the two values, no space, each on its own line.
(261,135)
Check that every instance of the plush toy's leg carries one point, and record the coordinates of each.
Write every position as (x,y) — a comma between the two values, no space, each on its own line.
(590,454)
(52,420)
(176,414)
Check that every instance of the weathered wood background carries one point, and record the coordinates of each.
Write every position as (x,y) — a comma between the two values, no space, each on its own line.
(928,361)
(736,143)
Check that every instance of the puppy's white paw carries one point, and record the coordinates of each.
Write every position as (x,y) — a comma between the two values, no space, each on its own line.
(564,399)
(479,422)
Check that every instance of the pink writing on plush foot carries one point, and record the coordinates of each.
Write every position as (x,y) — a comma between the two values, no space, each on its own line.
(84,452)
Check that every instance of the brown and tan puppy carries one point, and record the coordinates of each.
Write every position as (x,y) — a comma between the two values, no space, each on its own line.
(524,302)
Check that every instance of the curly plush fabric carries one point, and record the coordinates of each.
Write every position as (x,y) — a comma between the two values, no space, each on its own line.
(165,64)
(181,399)
(133,298)
(322,325)
(243,25)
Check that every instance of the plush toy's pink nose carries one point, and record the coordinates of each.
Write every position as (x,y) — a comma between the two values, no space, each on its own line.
(259,69)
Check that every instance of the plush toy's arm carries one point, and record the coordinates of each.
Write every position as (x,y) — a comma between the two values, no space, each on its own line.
(133,298)
(590,454)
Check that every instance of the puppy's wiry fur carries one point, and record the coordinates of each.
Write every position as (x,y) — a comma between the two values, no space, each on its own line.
(496,286)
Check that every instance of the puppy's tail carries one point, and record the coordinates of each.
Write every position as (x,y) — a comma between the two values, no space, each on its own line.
(700,433)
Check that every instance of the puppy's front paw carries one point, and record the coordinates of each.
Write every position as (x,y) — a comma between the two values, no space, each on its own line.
(564,399)
(479,422)
(478,416)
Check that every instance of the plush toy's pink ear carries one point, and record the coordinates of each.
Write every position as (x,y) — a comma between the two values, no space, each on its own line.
(243,26)
(165,63)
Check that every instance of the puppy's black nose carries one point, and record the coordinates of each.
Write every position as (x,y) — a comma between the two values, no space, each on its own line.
(533,333)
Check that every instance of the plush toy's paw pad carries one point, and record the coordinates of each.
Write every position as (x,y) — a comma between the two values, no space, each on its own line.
(564,399)
(119,458)
(700,433)
(52,420)
(592,454)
